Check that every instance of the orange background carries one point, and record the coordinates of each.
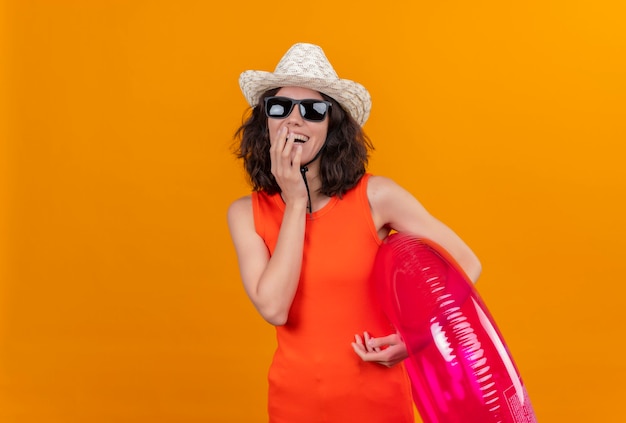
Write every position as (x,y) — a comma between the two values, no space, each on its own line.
(120,299)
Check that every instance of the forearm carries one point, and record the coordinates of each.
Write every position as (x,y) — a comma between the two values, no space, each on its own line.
(279,282)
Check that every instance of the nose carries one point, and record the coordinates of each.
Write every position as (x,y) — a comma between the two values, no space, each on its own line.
(295,117)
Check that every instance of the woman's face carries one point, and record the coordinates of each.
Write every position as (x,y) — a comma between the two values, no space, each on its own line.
(311,135)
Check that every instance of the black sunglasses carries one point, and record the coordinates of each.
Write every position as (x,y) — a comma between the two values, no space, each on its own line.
(310,109)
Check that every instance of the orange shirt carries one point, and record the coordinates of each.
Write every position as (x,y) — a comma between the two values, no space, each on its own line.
(315,375)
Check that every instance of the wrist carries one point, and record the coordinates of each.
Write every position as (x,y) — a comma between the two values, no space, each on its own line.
(296,203)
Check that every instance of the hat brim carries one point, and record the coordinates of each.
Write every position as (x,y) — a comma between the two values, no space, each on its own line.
(351,95)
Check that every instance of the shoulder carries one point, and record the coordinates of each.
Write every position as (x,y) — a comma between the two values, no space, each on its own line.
(381,189)
(379,181)
(241,220)
(239,208)
(383,194)
(394,206)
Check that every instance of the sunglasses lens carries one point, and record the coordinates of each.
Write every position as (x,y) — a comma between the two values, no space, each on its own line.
(313,110)
(280,108)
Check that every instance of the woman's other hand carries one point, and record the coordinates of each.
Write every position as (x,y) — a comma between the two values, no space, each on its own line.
(387,350)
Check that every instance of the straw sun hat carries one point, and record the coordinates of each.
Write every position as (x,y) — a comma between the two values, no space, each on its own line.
(306,65)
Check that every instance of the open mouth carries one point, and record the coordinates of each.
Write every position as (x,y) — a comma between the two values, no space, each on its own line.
(300,138)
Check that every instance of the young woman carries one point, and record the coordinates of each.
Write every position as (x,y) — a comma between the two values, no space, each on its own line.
(306,239)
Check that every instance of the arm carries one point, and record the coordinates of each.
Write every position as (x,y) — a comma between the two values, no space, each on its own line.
(271,282)
(395,208)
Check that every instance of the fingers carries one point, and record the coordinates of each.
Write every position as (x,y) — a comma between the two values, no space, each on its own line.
(372,344)
(277,147)
(384,358)
(387,351)
(384,341)
(283,145)
(285,155)
(365,349)
(359,348)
